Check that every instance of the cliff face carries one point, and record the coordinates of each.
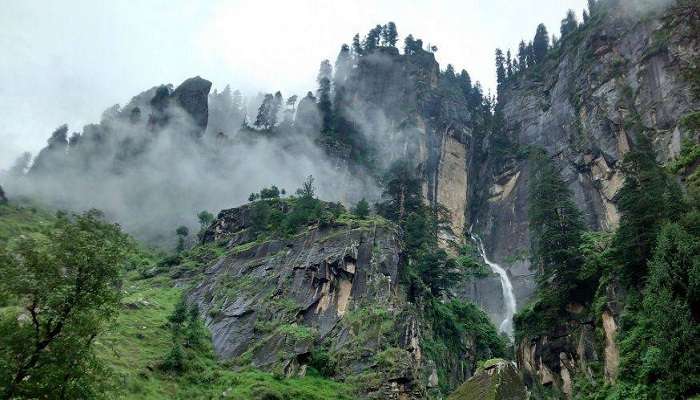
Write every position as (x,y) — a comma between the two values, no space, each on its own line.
(408,110)
(623,73)
(327,297)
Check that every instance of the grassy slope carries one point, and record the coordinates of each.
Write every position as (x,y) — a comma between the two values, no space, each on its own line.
(140,338)
(134,344)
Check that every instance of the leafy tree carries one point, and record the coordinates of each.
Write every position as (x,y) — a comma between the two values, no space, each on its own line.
(540,44)
(361,209)
(205,218)
(307,190)
(272,192)
(66,287)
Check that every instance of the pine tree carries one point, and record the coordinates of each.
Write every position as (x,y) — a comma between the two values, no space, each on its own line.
(509,64)
(264,119)
(522,54)
(569,24)
(465,83)
(325,106)
(402,191)
(390,34)
(540,43)
(556,226)
(645,201)
(356,46)
(410,46)
(500,69)
(372,38)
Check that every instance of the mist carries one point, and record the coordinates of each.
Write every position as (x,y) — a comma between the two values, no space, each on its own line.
(151,179)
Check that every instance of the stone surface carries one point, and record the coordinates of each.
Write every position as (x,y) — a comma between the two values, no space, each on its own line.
(499,380)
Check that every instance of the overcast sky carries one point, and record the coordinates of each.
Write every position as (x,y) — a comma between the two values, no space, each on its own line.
(66,61)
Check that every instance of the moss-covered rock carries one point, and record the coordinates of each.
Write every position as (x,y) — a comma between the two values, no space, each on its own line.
(497,379)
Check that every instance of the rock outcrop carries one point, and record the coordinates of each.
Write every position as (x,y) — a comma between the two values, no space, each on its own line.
(496,380)
(3,197)
(193,96)
(623,73)
(328,298)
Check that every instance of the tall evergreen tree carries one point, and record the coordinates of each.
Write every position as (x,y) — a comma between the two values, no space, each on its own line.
(540,43)
(522,54)
(390,34)
(265,118)
(500,69)
(509,64)
(325,107)
(646,199)
(402,191)
(569,24)
(356,45)
(372,38)
(556,226)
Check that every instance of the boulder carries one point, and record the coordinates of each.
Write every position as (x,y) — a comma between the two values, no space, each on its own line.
(497,380)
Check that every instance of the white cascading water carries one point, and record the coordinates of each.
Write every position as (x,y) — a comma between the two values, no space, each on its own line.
(506,287)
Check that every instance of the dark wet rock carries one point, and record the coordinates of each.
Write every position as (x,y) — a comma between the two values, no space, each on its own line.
(193,96)
(3,197)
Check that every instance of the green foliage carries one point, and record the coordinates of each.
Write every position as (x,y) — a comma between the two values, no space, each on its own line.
(661,342)
(361,209)
(142,337)
(556,227)
(402,192)
(455,319)
(647,199)
(64,285)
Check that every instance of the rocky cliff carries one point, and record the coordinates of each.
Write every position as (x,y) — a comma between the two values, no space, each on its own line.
(627,71)
(328,297)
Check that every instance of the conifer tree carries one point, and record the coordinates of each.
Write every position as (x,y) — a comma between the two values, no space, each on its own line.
(500,69)
(540,43)
(646,199)
(556,226)
(509,64)
(356,45)
(325,106)
(568,24)
(522,54)
(390,34)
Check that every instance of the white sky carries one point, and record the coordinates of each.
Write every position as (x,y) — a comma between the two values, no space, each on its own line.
(66,61)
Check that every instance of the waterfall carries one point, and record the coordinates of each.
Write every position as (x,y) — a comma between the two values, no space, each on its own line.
(506,286)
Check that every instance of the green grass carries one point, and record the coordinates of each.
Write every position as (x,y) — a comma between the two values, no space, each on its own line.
(139,339)
(16,220)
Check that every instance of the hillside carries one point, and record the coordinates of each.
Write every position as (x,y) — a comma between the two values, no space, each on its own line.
(442,243)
